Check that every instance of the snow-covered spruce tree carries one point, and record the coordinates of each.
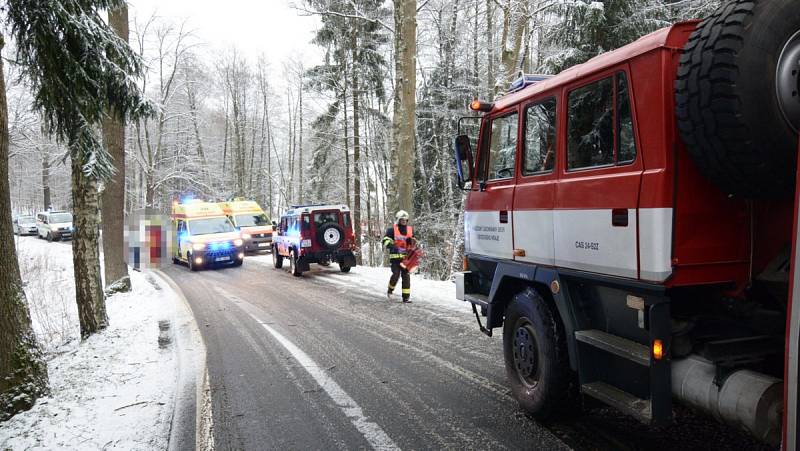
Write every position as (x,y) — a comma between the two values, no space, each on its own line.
(573,31)
(23,372)
(79,70)
(354,33)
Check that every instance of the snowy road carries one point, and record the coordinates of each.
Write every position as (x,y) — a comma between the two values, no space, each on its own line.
(418,372)
(326,362)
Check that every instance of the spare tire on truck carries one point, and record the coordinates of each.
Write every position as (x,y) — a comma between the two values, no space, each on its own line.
(737,97)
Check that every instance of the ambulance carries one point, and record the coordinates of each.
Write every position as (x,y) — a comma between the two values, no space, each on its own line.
(204,236)
(250,219)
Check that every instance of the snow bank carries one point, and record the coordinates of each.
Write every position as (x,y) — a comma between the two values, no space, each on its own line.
(114,390)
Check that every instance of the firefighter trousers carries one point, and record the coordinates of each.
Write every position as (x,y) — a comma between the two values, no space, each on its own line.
(397,273)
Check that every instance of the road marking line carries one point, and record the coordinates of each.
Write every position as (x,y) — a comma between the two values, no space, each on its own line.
(373,433)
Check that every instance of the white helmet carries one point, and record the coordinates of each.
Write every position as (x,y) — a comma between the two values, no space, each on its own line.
(402,214)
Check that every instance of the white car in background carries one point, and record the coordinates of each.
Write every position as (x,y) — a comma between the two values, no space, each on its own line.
(25,225)
(54,225)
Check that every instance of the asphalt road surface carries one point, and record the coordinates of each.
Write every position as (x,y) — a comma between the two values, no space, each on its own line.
(304,363)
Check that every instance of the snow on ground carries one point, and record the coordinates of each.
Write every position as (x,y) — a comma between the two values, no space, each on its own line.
(436,294)
(113,390)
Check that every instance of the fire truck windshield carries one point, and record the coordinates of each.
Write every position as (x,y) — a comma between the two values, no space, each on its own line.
(252,220)
(207,226)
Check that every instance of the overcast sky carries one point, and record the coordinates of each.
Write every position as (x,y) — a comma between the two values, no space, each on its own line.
(253,26)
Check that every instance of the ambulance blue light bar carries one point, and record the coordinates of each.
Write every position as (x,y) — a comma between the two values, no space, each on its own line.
(526,80)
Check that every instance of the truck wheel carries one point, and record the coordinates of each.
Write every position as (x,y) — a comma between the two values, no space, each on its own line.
(344,268)
(293,268)
(737,98)
(277,259)
(537,365)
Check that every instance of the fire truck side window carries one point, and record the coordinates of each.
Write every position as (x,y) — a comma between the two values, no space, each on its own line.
(591,125)
(625,138)
(503,147)
(540,138)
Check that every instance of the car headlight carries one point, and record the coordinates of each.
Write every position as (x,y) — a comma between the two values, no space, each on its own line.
(198,246)
(246,236)
(238,242)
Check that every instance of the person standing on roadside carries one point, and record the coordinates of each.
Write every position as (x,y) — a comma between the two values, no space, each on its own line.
(399,237)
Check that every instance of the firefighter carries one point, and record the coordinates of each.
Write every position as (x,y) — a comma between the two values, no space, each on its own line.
(398,238)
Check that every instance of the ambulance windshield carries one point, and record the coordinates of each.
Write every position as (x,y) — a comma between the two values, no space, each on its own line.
(252,220)
(208,226)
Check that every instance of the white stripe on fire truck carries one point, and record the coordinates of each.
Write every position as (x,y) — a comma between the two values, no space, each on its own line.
(577,239)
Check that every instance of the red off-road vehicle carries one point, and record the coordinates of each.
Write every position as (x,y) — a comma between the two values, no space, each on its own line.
(628,224)
(314,234)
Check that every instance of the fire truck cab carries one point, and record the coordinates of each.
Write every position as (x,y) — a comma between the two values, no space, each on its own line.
(631,232)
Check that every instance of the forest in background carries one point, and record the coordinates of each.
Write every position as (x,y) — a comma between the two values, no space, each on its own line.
(283,133)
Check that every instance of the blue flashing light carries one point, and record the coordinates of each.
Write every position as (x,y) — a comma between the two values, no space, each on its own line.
(526,80)
(219,246)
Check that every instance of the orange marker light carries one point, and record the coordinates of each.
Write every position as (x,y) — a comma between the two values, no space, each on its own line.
(658,349)
(477,105)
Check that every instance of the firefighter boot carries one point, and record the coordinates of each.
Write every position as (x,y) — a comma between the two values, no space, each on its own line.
(406,296)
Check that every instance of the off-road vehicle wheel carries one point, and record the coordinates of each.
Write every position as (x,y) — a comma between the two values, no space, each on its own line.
(330,235)
(344,268)
(534,345)
(737,97)
(293,268)
(277,259)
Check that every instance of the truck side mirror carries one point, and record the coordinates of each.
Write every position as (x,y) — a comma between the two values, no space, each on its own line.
(463,154)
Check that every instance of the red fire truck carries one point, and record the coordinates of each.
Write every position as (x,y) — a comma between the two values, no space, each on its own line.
(630,224)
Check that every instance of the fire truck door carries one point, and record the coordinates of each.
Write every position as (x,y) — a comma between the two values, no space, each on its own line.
(488,219)
(534,198)
(597,195)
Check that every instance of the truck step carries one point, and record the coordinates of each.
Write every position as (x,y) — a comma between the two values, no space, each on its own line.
(478,299)
(616,345)
(627,403)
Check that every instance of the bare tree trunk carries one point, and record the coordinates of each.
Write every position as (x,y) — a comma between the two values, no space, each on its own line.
(300,171)
(23,370)
(346,149)
(86,249)
(46,179)
(356,150)
(475,77)
(404,118)
(116,271)
(490,81)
